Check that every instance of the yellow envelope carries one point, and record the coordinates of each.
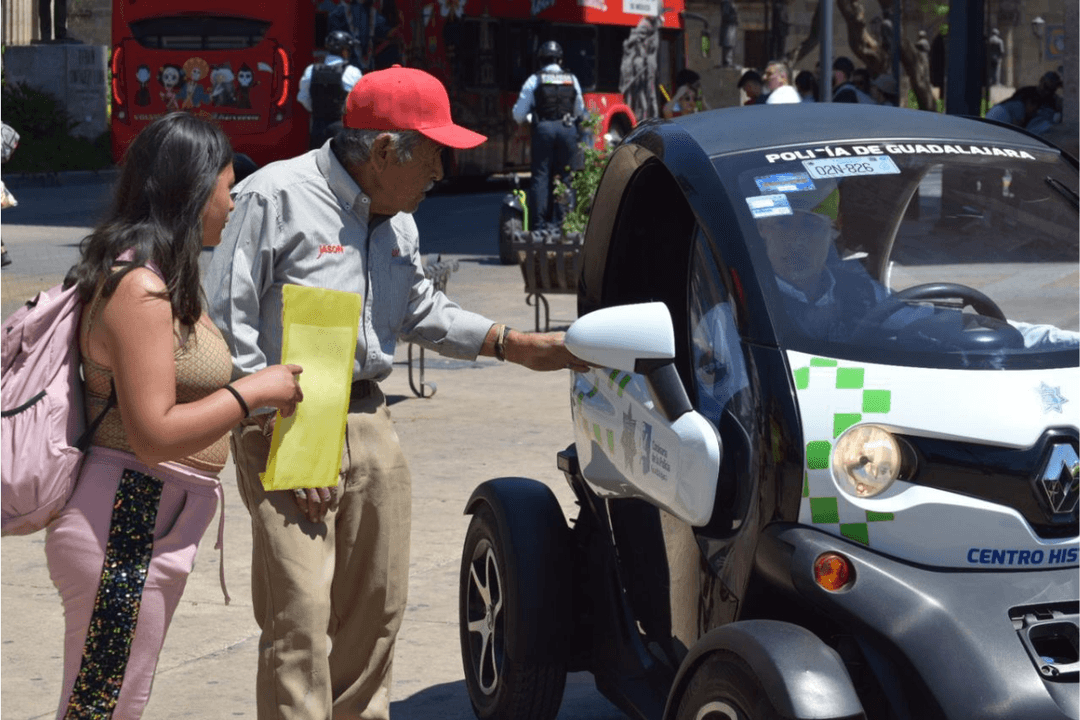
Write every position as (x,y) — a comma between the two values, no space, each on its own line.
(320,328)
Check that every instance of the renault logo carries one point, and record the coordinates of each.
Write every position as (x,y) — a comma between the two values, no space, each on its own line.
(1059,478)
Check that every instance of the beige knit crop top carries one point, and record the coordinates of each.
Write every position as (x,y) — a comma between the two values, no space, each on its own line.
(203,365)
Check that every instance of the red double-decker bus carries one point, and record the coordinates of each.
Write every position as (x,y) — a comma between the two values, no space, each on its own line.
(483,50)
(233,60)
(239,62)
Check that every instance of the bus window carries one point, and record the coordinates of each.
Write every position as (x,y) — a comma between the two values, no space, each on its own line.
(609,48)
(199,33)
(579,53)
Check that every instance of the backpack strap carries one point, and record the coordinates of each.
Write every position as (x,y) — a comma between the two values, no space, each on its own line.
(88,435)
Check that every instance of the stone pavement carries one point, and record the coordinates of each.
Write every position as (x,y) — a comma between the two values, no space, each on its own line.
(486,419)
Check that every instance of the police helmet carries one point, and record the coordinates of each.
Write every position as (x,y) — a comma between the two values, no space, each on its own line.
(339,41)
(549,52)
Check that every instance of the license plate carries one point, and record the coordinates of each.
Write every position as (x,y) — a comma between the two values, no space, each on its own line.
(850,167)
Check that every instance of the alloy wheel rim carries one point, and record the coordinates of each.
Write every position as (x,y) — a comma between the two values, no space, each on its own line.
(484,618)
(717,710)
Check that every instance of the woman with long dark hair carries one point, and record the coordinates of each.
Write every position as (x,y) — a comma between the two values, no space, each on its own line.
(121,550)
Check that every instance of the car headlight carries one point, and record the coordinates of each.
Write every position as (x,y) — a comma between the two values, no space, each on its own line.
(866,460)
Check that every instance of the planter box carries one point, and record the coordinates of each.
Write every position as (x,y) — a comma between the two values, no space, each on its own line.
(549,265)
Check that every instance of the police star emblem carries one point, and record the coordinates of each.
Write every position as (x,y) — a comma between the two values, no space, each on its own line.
(1052,398)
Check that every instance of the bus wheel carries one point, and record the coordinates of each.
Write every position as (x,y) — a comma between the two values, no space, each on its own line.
(510,222)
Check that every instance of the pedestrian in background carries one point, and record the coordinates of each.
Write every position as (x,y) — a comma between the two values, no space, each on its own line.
(844,90)
(1018,109)
(860,78)
(324,87)
(687,98)
(552,102)
(330,566)
(10,141)
(777,79)
(750,84)
(884,91)
(377,38)
(122,548)
(807,85)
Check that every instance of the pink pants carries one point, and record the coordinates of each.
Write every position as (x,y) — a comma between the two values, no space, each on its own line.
(148,522)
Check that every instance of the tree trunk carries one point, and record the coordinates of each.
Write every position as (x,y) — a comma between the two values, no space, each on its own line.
(867,48)
(862,42)
(917,67)
(811,40)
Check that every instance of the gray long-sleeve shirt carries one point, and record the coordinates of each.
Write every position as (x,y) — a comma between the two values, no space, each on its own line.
(305,221)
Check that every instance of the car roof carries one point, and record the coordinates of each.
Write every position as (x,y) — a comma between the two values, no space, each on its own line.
(736,129)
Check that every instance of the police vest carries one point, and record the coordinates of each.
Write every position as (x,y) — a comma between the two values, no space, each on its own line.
(327,94)
(554,95)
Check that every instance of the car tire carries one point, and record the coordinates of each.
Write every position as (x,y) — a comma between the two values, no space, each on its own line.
(499,687)
(724,687)
(510,222)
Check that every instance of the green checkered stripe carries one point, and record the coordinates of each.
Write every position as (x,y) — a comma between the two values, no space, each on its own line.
(604,436)
(832,398)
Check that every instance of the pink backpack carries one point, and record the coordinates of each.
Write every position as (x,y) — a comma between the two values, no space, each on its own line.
(42,424)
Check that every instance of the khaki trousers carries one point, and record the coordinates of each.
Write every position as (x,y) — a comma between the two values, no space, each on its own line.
(329,596)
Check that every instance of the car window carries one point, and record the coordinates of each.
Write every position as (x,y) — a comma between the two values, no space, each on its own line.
(716,351)
(872,252)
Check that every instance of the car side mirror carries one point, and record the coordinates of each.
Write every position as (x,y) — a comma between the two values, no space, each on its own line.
(634,338)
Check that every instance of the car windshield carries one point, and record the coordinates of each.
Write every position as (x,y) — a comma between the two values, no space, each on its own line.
(872,252)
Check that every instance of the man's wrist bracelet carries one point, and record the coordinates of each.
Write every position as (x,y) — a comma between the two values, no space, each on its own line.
(500,342)
(240,399)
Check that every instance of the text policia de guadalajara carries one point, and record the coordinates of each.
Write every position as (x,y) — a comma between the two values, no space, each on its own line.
(834,151)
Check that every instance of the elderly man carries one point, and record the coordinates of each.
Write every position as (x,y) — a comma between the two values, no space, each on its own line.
(777,79)
(330,566)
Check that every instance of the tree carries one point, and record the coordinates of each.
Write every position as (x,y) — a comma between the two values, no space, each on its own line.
(865,46)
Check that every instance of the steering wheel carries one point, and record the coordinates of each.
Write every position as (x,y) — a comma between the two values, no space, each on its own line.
(979,302)
(982,304)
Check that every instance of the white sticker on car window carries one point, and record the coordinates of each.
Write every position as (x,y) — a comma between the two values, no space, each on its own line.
(769,205)
(851,167)
(784,182)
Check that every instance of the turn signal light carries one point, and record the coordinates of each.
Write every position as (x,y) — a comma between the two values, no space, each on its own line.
(833,572)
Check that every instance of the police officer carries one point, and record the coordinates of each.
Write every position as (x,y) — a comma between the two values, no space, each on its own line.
(324,87)
(551,99)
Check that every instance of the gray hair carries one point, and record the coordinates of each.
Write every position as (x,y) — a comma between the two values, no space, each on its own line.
(353,146)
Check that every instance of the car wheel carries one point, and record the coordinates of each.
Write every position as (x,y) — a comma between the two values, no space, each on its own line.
(723,687)
(510,222)
(499,687)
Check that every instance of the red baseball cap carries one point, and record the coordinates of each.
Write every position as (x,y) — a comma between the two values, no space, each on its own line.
(401,98)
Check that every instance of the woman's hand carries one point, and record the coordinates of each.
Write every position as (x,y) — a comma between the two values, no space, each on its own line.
(277,386)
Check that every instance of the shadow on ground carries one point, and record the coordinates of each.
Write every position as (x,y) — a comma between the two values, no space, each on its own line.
(450,701)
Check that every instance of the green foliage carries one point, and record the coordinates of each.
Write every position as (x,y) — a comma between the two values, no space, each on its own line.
(45,140)
(584,181)
(913,102)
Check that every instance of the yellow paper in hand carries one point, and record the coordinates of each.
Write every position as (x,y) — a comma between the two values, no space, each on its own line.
(319,334)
